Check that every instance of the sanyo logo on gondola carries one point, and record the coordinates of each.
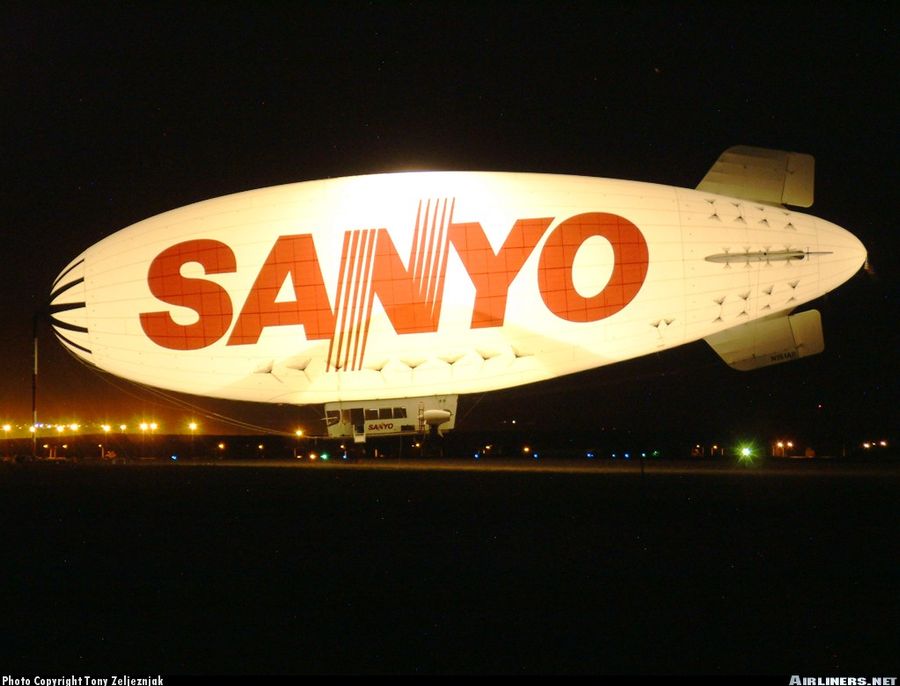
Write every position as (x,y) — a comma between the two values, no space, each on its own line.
(411,293)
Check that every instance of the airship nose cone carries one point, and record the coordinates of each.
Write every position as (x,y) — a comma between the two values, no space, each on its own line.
(851,248)
(847,253)
(860,251)
(68,309)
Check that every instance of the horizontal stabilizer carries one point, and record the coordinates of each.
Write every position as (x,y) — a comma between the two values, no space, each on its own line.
(770,176)
(770,341)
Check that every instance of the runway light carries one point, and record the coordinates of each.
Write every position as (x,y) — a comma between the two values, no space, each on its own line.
(746,453)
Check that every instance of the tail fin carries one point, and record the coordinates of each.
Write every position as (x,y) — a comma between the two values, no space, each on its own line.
(770,176)
(770,340)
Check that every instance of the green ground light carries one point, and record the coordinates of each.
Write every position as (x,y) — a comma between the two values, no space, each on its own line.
(747,453)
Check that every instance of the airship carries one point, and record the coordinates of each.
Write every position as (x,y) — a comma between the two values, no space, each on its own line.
(384,297)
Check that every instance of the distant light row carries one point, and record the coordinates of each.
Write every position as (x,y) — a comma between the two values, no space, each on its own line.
(105,428)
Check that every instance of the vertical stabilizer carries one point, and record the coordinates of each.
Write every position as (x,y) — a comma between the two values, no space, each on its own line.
(770,176)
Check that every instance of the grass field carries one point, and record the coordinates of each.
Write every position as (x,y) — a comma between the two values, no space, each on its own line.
(217,570)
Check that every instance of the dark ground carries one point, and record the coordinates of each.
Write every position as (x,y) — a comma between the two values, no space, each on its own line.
(216,570)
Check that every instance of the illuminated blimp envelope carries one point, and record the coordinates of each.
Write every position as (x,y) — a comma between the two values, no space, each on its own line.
(442,283)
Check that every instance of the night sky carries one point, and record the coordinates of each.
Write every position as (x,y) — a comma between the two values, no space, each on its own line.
(113,114)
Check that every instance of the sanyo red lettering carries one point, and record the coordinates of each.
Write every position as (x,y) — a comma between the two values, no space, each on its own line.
(291,257)
(491,273)
(411,294)
(555,267)
(208,299)
(406,304)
